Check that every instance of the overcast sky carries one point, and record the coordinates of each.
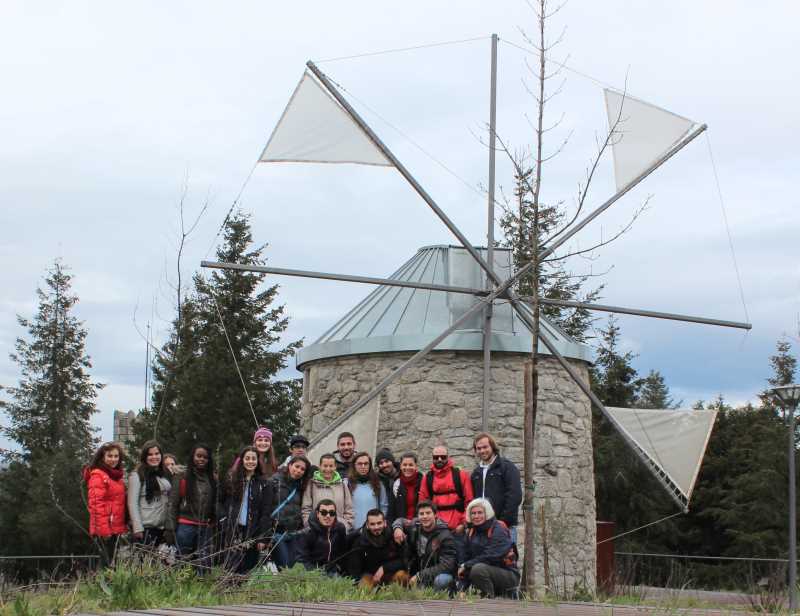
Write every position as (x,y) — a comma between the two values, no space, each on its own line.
(107,109)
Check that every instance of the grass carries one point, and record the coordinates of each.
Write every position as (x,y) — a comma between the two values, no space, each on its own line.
(146,586)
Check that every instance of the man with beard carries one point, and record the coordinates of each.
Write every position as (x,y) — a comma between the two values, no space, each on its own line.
(497,479)
(323,543)
(376,558)
(432,550)
(345,450)
(387,473)
(447,487)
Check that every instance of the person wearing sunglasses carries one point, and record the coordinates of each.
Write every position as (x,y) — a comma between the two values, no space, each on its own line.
(449,488)
(323,544)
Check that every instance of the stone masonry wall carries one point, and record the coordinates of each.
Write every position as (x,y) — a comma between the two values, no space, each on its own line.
(439,400)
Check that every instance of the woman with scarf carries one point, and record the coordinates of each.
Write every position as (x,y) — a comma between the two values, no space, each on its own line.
(192,507)
(366,489)
(245,496)
(282,517)
(149,486)
(327,483)
(106,499)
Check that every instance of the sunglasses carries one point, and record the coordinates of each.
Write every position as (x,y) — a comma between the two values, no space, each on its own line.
(440,457)
(328,513)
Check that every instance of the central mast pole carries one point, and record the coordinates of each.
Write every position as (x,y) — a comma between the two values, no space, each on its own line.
(487,322)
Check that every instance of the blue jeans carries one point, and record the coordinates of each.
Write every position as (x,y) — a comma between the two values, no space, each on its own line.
(284,554)
(443,581)
(196,541)
(513,531)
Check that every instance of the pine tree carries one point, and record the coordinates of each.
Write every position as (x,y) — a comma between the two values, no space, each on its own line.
(49,412)
(198,393)
(555,282)
(653,393)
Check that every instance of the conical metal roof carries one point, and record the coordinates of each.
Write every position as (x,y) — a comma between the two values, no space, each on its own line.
(397,319)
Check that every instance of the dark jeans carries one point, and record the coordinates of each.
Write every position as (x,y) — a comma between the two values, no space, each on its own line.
(107,547)
(491,581)
(284,552)
(241,555)
(152,537)
(195,541)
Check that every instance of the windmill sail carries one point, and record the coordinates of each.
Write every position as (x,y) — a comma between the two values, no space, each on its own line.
(674,440)
(315,128)
(643,134)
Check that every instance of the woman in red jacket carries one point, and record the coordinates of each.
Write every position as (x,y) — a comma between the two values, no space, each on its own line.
(106,498)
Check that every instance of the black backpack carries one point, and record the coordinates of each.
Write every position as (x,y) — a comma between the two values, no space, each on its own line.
(459,504)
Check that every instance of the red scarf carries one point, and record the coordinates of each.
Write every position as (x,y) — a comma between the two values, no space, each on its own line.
(411,493)
(113,473)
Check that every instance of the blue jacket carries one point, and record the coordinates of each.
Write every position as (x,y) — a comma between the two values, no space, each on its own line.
(503,488)
(488,543)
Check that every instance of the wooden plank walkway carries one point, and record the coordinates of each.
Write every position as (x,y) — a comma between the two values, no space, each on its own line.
(483,607)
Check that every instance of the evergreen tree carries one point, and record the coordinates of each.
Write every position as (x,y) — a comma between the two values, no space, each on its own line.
(555,282)
(198,393)
(653,393)
(49,418)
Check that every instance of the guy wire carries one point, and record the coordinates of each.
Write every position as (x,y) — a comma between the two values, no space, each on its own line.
(233,355)
(402,49)
(727,226)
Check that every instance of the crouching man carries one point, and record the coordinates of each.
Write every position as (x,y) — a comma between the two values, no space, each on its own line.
(432,550)
(490,564)
(323,544)
(375,558)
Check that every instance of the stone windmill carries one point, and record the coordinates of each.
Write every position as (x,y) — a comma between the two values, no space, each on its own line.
(436,350)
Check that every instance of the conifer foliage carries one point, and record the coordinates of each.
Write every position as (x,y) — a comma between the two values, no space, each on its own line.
(198,392)
(49,411)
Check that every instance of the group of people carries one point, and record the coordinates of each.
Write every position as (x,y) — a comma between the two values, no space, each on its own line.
(378,521)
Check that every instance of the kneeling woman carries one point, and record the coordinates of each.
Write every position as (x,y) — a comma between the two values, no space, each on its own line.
(242,512)
(192,507)
(490,565)
(106,499)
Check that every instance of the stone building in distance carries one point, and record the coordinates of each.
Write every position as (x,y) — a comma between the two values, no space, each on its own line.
(439,399)
(123,428)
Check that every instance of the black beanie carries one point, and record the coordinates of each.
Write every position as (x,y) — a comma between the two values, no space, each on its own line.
(384,454)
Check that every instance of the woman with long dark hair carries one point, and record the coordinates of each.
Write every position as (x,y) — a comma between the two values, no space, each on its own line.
(283,516)
(192,506)
(366,489)
(149,486)
(262,441)
(244,497)
(106,499)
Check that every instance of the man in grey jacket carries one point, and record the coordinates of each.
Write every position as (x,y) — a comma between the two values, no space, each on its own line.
(432,551)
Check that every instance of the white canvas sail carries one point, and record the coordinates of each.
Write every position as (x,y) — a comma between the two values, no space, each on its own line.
(675,440)
(644,133)
(315,128)
(364,427)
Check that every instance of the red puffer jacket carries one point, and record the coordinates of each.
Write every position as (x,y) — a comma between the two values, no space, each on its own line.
(450,504)
(106,502)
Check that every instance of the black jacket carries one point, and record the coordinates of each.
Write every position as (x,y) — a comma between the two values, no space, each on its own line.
(388,484)
(488,543)
(342,466)
(399,494)
(319,547)
(439,554)
(290,517)
(231,504)
(503,488)
(369,553)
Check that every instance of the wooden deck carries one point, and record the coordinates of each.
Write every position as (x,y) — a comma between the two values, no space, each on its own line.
(482,607)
